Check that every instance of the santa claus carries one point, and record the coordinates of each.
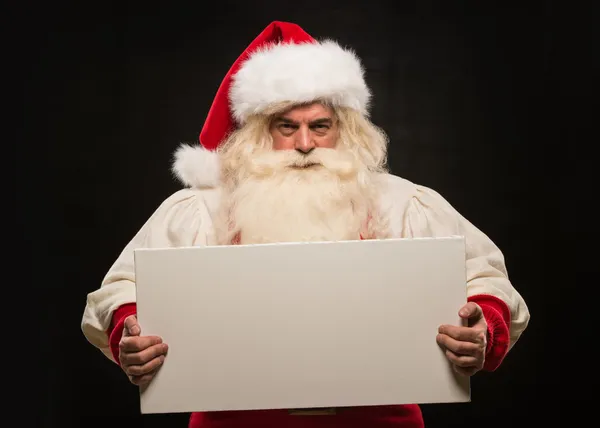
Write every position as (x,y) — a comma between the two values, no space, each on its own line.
(288,154)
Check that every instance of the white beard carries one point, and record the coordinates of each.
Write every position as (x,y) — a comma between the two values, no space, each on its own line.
(276,200)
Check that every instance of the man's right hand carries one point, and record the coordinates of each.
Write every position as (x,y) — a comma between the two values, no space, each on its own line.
(140,356)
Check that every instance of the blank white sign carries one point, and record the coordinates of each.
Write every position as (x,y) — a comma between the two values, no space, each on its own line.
(302,325)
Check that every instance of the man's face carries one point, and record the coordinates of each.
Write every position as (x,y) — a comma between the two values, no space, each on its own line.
(308,185)
(305,128)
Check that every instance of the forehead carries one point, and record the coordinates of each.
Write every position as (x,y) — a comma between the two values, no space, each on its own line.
(307,112)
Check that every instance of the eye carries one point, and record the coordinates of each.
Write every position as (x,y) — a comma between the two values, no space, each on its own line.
(287,126)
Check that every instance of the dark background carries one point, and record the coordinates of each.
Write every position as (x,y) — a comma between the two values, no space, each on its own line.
(482,103)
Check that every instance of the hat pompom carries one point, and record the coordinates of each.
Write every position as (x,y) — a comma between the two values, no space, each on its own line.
(196,166)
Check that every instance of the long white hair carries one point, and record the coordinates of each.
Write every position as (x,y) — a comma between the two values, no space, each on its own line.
(266,201)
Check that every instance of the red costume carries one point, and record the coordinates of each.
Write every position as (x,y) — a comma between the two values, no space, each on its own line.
(260,77)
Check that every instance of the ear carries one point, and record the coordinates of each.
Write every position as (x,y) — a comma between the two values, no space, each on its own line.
(196,166)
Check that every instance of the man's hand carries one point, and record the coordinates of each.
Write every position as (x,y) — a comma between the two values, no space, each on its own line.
(140,356)
(465,346)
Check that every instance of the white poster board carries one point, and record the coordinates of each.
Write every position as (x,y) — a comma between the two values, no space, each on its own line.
(302,325)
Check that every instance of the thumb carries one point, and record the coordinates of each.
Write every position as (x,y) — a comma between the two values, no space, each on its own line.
(132,328)
(470,310)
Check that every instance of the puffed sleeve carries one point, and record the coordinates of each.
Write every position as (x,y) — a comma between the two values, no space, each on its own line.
(428,214)
(181,220)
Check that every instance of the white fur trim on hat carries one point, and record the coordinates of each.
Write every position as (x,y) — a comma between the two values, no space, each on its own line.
(196,167)
(298,73)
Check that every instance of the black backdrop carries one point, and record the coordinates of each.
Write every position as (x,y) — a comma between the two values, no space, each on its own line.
(468,95)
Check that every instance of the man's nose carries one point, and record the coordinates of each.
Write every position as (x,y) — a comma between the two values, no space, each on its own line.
(304,142)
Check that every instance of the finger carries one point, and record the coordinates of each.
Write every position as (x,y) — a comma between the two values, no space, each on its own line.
(150,366)
(466,371)
(462,360)
(470,310)
(463,334)
(137,343)
(142,357)
(143,379)
(459,347)
(132,328)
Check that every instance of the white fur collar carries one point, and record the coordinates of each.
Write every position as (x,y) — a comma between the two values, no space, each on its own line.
(196,167)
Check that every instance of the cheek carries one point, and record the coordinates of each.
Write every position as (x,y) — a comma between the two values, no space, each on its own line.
(328,142)
(282,143)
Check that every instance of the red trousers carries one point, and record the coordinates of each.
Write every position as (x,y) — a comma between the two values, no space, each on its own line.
(407,416)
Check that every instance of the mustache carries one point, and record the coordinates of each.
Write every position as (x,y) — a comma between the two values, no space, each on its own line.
(337,161)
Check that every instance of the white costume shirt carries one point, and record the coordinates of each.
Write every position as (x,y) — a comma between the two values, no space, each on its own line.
(186,219)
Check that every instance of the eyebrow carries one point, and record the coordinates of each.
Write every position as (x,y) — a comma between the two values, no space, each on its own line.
(320,121)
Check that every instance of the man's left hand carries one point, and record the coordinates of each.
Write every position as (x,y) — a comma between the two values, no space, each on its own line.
(465,346)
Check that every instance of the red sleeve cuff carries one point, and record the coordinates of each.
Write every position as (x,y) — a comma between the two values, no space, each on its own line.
(116,327)
(497,316)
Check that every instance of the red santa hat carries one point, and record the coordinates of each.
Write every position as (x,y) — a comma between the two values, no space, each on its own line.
(282,64)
